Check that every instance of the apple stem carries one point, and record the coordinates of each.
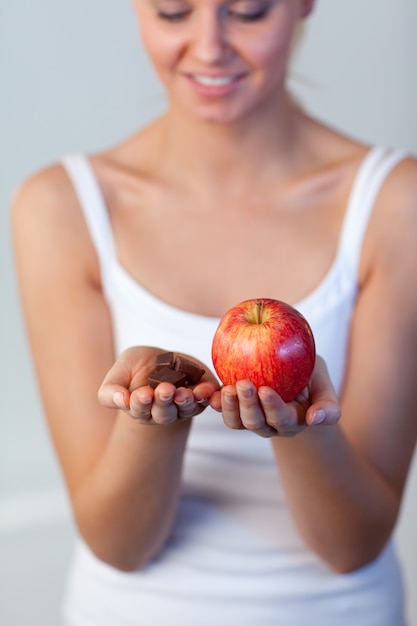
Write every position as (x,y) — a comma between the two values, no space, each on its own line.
(259,312)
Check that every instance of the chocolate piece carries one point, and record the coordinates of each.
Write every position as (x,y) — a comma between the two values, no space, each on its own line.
(166,359)
(192,371)
(167,375)
(179,372)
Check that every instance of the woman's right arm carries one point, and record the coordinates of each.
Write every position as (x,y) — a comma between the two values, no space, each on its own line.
(123,476)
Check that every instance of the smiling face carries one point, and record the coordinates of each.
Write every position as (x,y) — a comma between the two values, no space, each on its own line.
(220,59)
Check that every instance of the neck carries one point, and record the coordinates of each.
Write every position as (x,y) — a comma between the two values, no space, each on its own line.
(215,152)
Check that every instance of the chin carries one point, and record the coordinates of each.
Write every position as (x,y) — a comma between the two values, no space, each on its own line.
(220,114)
(232,111)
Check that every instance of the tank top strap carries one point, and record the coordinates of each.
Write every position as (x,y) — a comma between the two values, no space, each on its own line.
(93,205)
(375,168)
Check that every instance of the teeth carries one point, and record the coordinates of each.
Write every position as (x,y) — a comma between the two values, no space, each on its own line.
(213,81)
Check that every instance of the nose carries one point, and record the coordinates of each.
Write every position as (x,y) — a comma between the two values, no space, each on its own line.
(210,41)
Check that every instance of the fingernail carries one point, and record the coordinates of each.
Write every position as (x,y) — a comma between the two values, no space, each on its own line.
(182,401)
(144,400)
(118,399)
(318,417)
(230,398)
(246,392)
(265,396)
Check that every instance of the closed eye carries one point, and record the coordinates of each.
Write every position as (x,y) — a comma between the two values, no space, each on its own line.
(249,17)
(173,17)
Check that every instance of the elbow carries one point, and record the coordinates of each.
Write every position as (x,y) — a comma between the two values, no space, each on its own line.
(356,545)
(125,556)
(350,563)
(350,556)
(123,565)
(126,562)
(121,547)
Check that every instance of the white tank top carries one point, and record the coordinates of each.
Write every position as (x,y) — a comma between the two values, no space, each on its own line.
(235,556)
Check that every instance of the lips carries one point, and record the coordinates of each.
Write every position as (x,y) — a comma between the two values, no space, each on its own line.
(214,86)
(214,81)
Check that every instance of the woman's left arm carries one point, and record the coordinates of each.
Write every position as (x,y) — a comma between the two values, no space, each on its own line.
(344,479)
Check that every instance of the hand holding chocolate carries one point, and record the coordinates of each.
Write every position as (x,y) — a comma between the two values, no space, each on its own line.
(176,370)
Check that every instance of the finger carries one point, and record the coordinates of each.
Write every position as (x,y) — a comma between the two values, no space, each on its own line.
(114,390)
(251,413)
(186,403)
(141,401)
(275,409)
(164,410)
(205,390)
(215,401)
(325,408)
(113,396)
(287,419)
(230,408)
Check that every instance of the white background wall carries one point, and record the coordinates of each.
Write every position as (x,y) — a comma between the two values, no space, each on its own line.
(74,77)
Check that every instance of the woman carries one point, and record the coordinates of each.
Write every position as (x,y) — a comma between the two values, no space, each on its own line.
(250,510)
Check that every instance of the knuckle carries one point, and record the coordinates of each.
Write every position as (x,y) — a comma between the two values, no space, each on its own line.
(233,423)
(254,423)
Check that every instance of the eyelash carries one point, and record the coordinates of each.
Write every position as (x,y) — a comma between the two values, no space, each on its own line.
(250,17)
(172,17)
(242,17)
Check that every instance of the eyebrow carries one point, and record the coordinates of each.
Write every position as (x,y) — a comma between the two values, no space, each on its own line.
(156,3)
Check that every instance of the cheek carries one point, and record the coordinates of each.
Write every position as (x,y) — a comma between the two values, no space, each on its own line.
(272,50)
(270,55)
(274,44)
(163,48)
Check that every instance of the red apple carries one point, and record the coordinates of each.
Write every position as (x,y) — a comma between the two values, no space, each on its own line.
(267,342)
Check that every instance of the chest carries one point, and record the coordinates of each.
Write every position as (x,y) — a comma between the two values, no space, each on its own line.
(204,258)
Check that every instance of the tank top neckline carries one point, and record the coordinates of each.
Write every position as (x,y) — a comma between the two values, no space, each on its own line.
(108,258)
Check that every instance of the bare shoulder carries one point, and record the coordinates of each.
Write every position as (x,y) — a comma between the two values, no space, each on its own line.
(47,221)
(47,195)
(400,188)
(391,236)
(396,209)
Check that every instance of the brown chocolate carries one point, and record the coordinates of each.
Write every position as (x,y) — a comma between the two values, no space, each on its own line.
(166,359)
(192,371)
(179,371)
(167,375)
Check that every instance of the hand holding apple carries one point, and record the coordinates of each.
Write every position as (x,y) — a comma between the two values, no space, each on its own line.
(267,342)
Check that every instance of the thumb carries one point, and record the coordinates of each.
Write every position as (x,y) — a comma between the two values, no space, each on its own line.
(114,392)
(113,396)
(325,407)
